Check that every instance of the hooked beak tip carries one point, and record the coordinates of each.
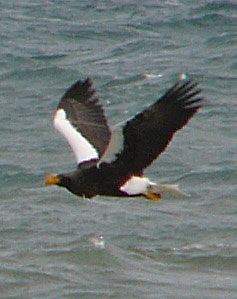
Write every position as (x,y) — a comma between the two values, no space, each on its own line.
(52,179)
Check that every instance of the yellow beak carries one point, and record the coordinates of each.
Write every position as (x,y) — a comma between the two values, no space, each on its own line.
(52,179)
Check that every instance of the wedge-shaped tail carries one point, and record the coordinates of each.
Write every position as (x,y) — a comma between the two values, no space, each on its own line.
(167,189)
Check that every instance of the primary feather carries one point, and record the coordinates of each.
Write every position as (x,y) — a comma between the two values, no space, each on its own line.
(147,134)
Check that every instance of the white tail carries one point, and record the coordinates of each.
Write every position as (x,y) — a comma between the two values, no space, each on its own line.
(167,188)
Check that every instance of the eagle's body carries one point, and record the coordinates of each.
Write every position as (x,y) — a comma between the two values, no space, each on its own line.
(92,181)
(112,163)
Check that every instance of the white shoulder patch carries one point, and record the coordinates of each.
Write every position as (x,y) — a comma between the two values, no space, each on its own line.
(81,148)
(136,185)
(115,146)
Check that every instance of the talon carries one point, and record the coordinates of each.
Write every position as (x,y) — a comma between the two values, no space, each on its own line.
(153,196)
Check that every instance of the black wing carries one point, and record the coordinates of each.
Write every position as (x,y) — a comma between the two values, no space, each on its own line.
(147,135)
(81,120)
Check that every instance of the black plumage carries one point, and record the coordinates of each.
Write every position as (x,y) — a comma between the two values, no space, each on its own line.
(149,132)
(144,137)
(86,114)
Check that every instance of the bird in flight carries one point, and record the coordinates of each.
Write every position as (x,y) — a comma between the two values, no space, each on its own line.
(112,162)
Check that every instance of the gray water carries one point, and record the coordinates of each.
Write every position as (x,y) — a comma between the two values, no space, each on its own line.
(55,245)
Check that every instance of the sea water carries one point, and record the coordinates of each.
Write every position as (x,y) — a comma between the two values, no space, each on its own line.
(55,245)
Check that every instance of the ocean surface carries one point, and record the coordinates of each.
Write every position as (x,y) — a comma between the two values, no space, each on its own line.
(55,245)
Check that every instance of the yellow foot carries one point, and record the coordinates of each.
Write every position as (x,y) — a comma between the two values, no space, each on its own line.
(152,196)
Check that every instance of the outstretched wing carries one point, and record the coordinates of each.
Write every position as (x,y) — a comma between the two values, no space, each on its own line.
(147,135)
(81,120)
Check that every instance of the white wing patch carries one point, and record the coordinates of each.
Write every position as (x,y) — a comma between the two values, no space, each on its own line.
(81,148)
(115,146)
(136,185)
